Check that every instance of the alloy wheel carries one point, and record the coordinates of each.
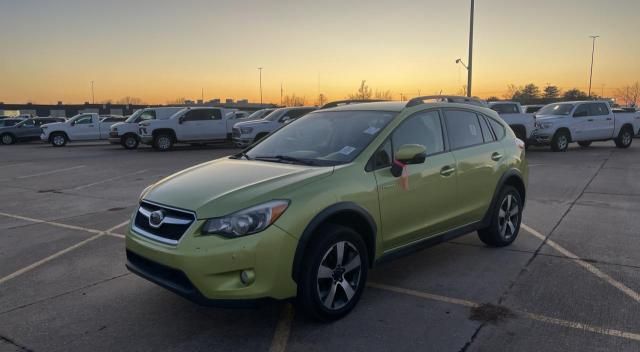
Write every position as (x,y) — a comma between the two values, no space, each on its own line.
(508,216)
(338,275)
(130,142)
(6,139)
(58,140)
(163,142)
(562,142)
(626,138)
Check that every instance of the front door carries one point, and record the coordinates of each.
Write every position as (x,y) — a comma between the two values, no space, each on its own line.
(202,124)
(419,204)
(84,128)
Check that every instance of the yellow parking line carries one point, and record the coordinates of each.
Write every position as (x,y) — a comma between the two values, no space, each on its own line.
(105,180)
(53,223)
(589,267)
(51,172)
(283,330)
(532,316)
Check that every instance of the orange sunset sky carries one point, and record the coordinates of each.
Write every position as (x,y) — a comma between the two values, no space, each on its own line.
(161,50)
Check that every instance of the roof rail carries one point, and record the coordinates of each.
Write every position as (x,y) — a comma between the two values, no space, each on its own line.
(446,99)
(337,103)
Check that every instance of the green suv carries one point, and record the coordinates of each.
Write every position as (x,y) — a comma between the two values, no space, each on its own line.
(308,210)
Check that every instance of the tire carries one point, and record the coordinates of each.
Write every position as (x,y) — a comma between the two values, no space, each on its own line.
(58,139)
(584,144)
(331,293)
(129,141)
(7,139)
(505,219)
(560,141)
(163,142)
(625,138)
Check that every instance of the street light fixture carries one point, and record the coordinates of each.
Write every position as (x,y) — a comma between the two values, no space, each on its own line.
(459,61)
(260,69)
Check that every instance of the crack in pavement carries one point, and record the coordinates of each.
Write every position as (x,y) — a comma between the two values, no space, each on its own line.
(11,342)
(524,269)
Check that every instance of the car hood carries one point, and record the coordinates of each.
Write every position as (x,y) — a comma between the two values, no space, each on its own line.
(118,124)
(223,186)
(252,123)
(54,124)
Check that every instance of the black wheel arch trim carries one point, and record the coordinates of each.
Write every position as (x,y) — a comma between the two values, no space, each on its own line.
(320,218)
(486,220)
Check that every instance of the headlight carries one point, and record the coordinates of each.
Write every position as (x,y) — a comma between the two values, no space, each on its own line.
(246,222)
(246,130)
(113,129)
(544,124)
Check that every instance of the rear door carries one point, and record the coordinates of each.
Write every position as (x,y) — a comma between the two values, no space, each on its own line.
(423,205)
(479,162)
(601,120)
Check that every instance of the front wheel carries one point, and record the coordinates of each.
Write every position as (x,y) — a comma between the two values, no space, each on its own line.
(163,142)
(58,140)
(505,221)
(129,142)
(7,139)
(560,141)
(334,273)
(625,138)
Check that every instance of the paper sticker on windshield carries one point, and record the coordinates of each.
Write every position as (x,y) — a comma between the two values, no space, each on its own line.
(371,130)
(346,150)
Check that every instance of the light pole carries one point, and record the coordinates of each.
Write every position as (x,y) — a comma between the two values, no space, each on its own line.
(470,67)
(260,69)
(93,99)
(459,61)
(593,49)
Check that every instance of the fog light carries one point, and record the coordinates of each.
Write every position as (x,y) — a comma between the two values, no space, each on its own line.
(247,277)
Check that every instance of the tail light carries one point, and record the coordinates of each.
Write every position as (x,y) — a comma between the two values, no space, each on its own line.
(520,143)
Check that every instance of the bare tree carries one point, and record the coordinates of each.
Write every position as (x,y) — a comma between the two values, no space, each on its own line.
(177,101)
(363,92)
(383,95)
(293,100)
(512,90)
(128,100)
(322,99)
(628,95)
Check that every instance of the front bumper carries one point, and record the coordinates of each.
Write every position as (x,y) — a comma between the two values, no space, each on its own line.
(114,139)
(242,142)
(44,137)
(206,269)
(541,137)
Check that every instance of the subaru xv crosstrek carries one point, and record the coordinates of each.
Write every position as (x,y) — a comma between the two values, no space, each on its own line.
(307,211)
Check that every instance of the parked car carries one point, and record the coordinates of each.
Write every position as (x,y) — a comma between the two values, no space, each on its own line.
(126,133)
(245,133)
(82,127)
(531,109)
(194,125)
(25,130)
(584,122)
(309,209)
(11,121)
(521,123)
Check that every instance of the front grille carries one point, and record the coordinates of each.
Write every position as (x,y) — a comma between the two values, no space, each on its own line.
(163,275)
(169,230)
(236,132)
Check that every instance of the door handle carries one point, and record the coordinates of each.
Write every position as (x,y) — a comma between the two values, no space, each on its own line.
(496,156)
(590,120)
(447,170)
(609,119)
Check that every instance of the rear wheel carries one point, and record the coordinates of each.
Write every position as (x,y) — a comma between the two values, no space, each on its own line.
(163,142)
(58,139)
(7,139)
(129,141)
(334,273)
(505,221)
(625,137)
(560,141)
(584,144)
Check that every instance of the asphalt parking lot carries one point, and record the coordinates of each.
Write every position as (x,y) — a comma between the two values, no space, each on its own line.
(571,281)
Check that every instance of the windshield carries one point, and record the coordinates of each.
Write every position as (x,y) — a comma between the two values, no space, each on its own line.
(323,138)
(133,116)
(556,109)
(259,114)
(274,116)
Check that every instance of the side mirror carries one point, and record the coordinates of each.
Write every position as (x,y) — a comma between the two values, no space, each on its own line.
(73,123)
(408,154)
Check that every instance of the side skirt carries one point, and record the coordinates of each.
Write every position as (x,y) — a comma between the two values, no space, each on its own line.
(429,242)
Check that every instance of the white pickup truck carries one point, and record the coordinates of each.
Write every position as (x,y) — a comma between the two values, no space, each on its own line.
(512,113)
(126,133)
(193,125)
(82,127)
(584,122)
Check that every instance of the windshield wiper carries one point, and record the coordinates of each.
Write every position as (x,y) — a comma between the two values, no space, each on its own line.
(285,158)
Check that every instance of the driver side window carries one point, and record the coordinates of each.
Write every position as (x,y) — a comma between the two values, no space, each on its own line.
(84,120)
(582,111)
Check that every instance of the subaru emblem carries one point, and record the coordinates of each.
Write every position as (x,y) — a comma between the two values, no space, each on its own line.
(156,218)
